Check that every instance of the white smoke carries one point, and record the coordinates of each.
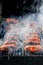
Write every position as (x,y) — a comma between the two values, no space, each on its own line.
(23,29)
(1,42)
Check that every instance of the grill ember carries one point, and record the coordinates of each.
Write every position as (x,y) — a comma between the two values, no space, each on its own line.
(33,48)
(5,46)
(32,43)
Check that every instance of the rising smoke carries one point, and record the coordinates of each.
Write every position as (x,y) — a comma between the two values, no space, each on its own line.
(23,29)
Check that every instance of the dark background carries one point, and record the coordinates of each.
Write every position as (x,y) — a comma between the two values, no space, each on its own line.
(20,7)
(31,60)
(0,11)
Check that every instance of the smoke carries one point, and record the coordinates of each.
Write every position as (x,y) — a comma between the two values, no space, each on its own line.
(19,31)
(1,42)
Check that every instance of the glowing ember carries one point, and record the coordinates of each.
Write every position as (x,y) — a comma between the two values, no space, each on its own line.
(33,48)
